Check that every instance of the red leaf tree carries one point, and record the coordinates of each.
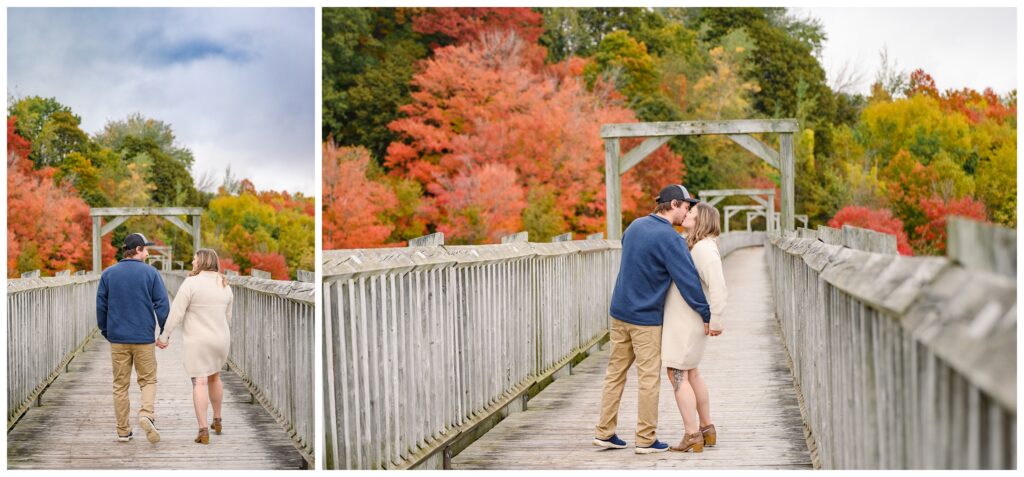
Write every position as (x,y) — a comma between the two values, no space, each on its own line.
(880,220)
(932,234)
(353,204)
(48,226)
(272,262)
(466,24)
(487,103)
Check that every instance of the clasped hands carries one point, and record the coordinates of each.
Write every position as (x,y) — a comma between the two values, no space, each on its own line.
(708,331)
(162,344)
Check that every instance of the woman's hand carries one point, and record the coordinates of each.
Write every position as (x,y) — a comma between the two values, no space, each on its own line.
(708,331)
(162,344)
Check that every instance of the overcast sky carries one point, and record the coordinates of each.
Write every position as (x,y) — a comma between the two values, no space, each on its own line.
(236,85)
(972,47)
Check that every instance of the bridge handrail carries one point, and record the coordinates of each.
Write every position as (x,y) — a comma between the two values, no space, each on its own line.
(902,362)
(272,348)
(49,321)
(407,366)
(420,343)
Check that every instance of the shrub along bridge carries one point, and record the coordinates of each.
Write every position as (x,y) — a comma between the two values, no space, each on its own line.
(837,354)
(60,407)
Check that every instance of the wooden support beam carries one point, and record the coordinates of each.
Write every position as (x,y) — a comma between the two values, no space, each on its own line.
(97,257)
(139,211)
(638,153)
(181,224)
(690,128)
(758,148)
(110,226)
(786,161)
(613,189)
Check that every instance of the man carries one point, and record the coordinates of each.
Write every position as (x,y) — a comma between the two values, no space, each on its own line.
(653,256)
(131,294)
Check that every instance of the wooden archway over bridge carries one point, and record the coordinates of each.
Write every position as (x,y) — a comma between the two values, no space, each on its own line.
(764,197)
(659,133)
(121,214)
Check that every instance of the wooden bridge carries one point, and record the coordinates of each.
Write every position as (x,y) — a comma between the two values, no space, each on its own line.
(837,354)
(60,407)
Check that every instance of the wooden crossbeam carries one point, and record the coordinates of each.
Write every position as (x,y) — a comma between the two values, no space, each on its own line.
(690,128)
(139,211)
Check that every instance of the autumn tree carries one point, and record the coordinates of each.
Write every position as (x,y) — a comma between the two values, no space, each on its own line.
(354,200)
(448,26)
(47,224)
(931,235)
(487,103)
(879,220)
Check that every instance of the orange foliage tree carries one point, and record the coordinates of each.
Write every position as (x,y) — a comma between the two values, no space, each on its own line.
(879,220)
(931,236)
(487,109)
(46,223)
(353,204)
(464,24)
(272,262)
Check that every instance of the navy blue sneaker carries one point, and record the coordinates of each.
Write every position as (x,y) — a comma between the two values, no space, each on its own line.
(658,446)
(612,442)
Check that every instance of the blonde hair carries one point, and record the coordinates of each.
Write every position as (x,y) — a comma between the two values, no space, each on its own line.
(207,261)
(706,224)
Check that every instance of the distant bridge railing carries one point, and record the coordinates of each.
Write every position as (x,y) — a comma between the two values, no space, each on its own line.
(901,362)
(49,320)
(272,348)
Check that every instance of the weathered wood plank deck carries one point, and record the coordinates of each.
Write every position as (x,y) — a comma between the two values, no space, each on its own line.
(74,428)
(753,402)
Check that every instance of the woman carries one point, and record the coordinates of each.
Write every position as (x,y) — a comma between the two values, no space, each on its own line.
(203,306)
(684,333)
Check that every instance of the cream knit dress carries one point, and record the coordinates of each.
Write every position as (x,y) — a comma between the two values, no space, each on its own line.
(203,307)
(682,335)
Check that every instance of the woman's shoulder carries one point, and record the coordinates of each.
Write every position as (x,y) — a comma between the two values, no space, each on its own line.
(706,244)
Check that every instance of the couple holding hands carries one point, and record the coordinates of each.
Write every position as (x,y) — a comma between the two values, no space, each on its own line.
(132,305)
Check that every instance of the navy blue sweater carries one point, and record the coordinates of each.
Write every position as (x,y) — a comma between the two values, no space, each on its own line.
(653,256)
(130,295)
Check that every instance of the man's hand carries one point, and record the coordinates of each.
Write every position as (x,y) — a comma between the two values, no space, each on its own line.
(707,329)
(162,344)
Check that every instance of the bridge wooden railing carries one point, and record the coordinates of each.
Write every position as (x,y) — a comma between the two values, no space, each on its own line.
(424,344)
(49,320)
(272,348)
(427,347)
(901,362)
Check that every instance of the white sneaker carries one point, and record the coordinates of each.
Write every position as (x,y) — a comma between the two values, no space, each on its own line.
(127,438)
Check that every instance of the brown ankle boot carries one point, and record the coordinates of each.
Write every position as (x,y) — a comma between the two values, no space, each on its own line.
(204,436)
(710,437)
(216,425)
(690,443)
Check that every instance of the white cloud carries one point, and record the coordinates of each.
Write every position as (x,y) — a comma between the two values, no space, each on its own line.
(236,85)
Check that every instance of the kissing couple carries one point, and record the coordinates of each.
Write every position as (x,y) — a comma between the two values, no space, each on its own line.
(669,297)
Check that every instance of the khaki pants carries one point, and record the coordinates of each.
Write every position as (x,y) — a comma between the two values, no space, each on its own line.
(632,343)
(143,358)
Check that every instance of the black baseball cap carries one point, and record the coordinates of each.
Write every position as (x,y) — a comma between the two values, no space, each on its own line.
(136,240)
(675,192)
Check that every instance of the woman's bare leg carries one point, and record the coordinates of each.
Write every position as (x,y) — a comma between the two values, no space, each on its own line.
(200,397)
(685,399)
(700,392)
(216,394)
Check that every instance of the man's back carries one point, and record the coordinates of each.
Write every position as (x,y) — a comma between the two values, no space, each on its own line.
(130,294)
(653,257)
